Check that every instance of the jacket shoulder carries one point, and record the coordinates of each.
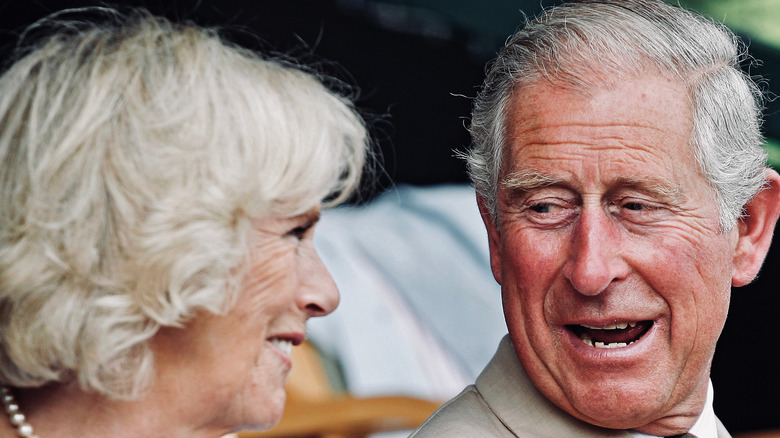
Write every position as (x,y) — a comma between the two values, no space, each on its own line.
(466,415)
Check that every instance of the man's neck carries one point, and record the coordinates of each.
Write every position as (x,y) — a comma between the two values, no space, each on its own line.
(705,425)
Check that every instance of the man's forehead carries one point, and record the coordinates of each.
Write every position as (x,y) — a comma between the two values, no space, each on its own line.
(640,128)
(531,99)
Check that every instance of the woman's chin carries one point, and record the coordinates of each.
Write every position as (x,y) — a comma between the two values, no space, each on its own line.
(269,402)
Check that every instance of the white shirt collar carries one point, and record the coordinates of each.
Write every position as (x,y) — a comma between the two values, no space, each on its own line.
(704,427)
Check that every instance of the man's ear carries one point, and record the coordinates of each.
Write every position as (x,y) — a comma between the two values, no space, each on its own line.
(755,231)
(494,237)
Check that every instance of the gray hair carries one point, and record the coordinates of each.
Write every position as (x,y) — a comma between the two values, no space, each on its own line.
(134,155)
(622,38)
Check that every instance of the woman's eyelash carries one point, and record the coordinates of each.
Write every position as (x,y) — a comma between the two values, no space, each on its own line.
(300,232)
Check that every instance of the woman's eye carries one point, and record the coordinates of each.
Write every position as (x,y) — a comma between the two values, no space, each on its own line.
(299,232)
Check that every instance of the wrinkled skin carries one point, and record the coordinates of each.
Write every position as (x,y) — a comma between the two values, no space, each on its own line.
(605,217)
(223,371)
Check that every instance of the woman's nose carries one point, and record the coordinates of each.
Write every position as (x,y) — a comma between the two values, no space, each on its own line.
(319,295)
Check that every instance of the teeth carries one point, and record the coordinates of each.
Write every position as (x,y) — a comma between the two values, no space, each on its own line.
(610,345)
(587,340)
(285,346)
(612,326)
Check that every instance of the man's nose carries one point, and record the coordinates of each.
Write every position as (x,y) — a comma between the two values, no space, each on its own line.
(594,260)
(318,295)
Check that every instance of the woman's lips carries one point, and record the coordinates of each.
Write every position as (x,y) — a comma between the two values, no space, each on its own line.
(283,344)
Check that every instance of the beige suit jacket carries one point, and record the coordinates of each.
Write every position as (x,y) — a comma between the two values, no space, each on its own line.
(504,403)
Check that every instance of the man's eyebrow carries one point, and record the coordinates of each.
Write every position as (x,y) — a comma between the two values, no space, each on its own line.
(525,180)
(662,188)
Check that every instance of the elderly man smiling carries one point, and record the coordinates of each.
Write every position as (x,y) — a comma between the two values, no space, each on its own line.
(619,173)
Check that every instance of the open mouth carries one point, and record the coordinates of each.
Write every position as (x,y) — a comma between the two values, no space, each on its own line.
(285,345)
(613,335)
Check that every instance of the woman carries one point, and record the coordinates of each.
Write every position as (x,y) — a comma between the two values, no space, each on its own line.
(159,190)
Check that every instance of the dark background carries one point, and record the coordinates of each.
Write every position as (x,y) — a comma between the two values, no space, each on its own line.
(416,64)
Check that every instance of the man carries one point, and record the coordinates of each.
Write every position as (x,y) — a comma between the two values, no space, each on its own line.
(619,173)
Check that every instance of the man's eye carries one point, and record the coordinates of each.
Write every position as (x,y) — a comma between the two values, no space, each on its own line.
(636,206)
(544,208)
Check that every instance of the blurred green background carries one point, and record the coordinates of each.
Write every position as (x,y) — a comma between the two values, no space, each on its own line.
(758,21)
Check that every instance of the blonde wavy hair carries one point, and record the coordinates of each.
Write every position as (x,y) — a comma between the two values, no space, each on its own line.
(133,155)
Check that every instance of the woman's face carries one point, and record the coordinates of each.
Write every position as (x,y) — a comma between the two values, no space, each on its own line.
(229,371)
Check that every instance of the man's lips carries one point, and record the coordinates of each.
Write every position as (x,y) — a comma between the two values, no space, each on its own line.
(611,335)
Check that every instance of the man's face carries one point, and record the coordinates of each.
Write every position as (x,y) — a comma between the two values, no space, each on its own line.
(615,277)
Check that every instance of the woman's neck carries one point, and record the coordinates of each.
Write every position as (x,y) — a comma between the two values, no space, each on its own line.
(63,410)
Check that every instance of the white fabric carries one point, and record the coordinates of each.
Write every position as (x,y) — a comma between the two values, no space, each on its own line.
(420,312)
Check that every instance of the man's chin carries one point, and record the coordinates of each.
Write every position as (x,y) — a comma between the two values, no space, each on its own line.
(642,414)
(615,417)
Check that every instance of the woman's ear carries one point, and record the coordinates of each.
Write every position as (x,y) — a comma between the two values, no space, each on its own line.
(755,231)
